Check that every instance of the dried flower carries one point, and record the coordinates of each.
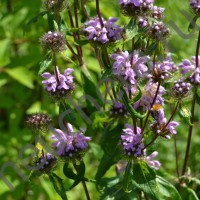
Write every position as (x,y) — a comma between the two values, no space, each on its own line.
(53,41)
(39,122)
(55,6)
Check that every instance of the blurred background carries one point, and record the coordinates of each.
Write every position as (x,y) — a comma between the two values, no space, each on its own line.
(21,92)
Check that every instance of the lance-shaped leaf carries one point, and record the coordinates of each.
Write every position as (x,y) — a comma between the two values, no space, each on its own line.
(128,176)
(45,63)
(77,177)
(58,185)
(144,178)
(129,107)
(166,189)
(131,30)
(188,194)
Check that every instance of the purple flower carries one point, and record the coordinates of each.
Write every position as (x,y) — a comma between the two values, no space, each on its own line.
(139,64)
(186,66)
(195,4)
(110,32)
(143,22)
(151,162)
(132,141)
(171,127)
(118,109)
(148,96)
(67,144)
(160,125)
(135,8)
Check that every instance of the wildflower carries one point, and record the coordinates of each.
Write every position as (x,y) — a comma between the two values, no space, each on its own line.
(148,96)
(38,122)
(161,70)
(58,85)
(53,41)
(127,69)
(195,4)
(161,126)
(54,5)
(151,162)
(46,163)
(110,32)
(134,8)
(132,141)
(69,145)
(118,109)
(186,66)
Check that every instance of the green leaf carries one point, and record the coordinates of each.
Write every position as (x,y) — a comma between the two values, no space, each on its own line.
(78,177)
(188,194)
(193,23)
(96,150)
(144,177)
(127,176)
(113,190)
(131,30)
(69,116)
(185,114)
(5,46)
(45,63)
(58,185)
(197,94)
(36,18)
(166,189)
(112,151)
(129,107)
(22,75)
(68,172)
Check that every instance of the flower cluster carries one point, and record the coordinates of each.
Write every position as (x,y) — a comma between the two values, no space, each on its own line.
(38,122)
(160,125)
(161,70)
(132,141)
(180,89)
(135,7)
(118,109)
(46,163)
(58,85)
(129,67)
(53,41)
(191,68)
(55,6)
(195,4)
(157,13)
(109,32)
(69,145)
(151,162)
(148,96)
